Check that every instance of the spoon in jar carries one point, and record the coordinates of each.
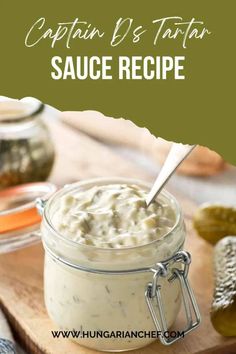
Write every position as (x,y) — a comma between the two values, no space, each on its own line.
(176,156)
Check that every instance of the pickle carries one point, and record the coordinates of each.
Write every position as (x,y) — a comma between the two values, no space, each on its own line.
(223,311)
(212,222)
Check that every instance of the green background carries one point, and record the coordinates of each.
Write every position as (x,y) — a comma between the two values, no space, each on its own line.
(199,109)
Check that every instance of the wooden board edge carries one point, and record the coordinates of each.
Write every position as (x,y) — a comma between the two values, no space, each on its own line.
(20,334)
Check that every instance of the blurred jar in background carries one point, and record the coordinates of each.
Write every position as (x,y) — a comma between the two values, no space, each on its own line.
(26,149)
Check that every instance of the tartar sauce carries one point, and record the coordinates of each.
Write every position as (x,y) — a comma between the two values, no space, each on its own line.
(112,230)
(112,216)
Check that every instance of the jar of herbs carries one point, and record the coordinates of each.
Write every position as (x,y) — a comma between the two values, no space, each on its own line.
(26,150)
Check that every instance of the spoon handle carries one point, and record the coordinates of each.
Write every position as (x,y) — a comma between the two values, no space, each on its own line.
(176,156)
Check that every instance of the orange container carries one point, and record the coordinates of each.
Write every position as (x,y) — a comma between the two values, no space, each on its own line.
(19,217)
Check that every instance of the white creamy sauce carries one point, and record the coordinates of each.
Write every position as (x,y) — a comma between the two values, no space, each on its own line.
(109,219)
(112,216)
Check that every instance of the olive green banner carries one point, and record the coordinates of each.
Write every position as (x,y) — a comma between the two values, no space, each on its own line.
(166,65)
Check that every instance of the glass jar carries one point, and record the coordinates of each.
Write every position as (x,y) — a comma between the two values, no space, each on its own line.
(19,218)
(99,290)
(26,150)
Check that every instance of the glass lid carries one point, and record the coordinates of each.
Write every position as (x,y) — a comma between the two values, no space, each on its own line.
(13,110)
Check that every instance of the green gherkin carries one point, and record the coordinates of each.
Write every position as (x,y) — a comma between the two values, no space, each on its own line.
(223,312)
(212,222)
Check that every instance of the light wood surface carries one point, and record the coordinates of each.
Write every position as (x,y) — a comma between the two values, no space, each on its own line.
(21,272)
(201,162)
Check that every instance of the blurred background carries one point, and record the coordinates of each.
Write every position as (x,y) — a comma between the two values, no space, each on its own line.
(38,143)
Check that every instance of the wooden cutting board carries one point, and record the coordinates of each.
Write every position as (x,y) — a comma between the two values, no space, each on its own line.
(21,272)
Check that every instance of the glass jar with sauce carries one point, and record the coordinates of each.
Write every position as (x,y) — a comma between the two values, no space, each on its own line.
(26,150)
(92,290)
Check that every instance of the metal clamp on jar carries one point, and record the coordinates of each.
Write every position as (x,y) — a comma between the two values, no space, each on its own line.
(131,289)
(153,293)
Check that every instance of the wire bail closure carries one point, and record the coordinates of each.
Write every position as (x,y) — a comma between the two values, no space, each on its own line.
(153,293)
(153,289)
(40,204)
